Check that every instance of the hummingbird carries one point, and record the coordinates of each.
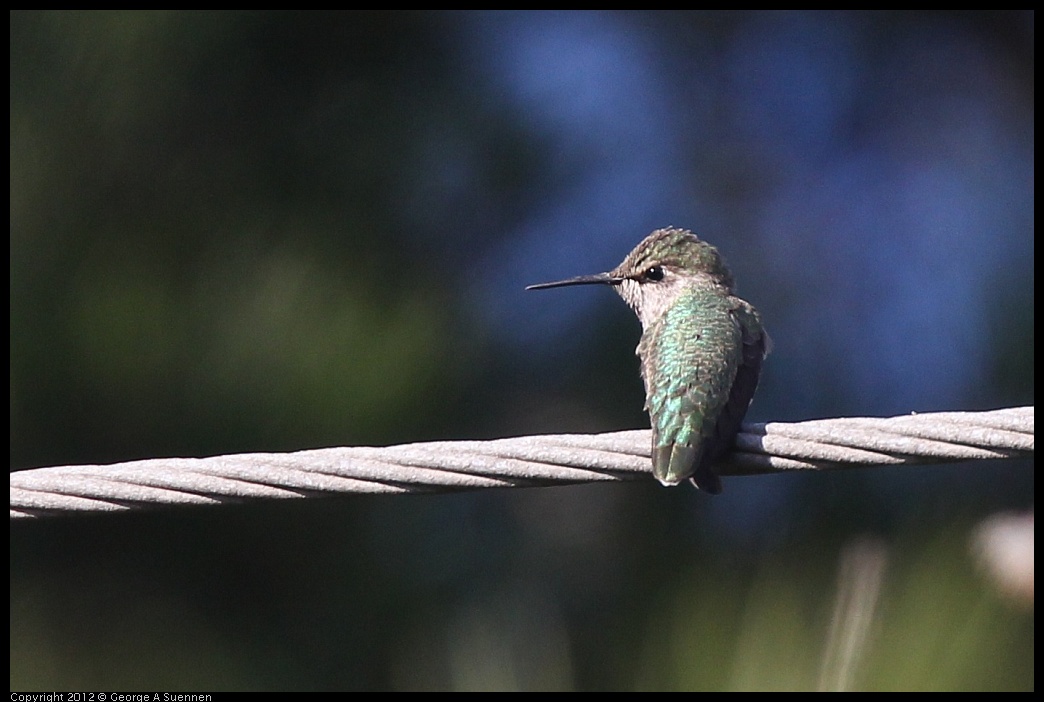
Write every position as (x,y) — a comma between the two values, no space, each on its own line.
(701,350)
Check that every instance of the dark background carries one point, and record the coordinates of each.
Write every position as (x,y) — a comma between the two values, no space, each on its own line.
(273,231)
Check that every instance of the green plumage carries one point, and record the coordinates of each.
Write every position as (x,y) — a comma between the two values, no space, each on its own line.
(691,359)
(701,350)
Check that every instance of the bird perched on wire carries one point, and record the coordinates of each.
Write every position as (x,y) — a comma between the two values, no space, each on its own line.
(701,350)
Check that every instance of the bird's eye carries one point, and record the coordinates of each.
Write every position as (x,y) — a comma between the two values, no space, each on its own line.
(653,274)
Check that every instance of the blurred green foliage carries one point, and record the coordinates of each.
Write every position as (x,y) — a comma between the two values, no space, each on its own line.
(228,234)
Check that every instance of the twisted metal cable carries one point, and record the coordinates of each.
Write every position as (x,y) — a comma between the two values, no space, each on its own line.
(525,461)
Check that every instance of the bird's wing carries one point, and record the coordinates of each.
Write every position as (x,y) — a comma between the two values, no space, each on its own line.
(692,360)
(755,346)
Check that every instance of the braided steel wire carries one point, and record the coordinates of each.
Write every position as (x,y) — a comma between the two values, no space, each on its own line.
(526,461)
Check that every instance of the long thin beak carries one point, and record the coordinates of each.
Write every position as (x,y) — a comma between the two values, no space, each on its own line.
(596,279)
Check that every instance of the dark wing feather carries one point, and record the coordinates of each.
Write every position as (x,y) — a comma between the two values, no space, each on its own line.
(756,345)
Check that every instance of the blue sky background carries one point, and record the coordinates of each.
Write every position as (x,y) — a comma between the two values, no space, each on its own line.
(273,231)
